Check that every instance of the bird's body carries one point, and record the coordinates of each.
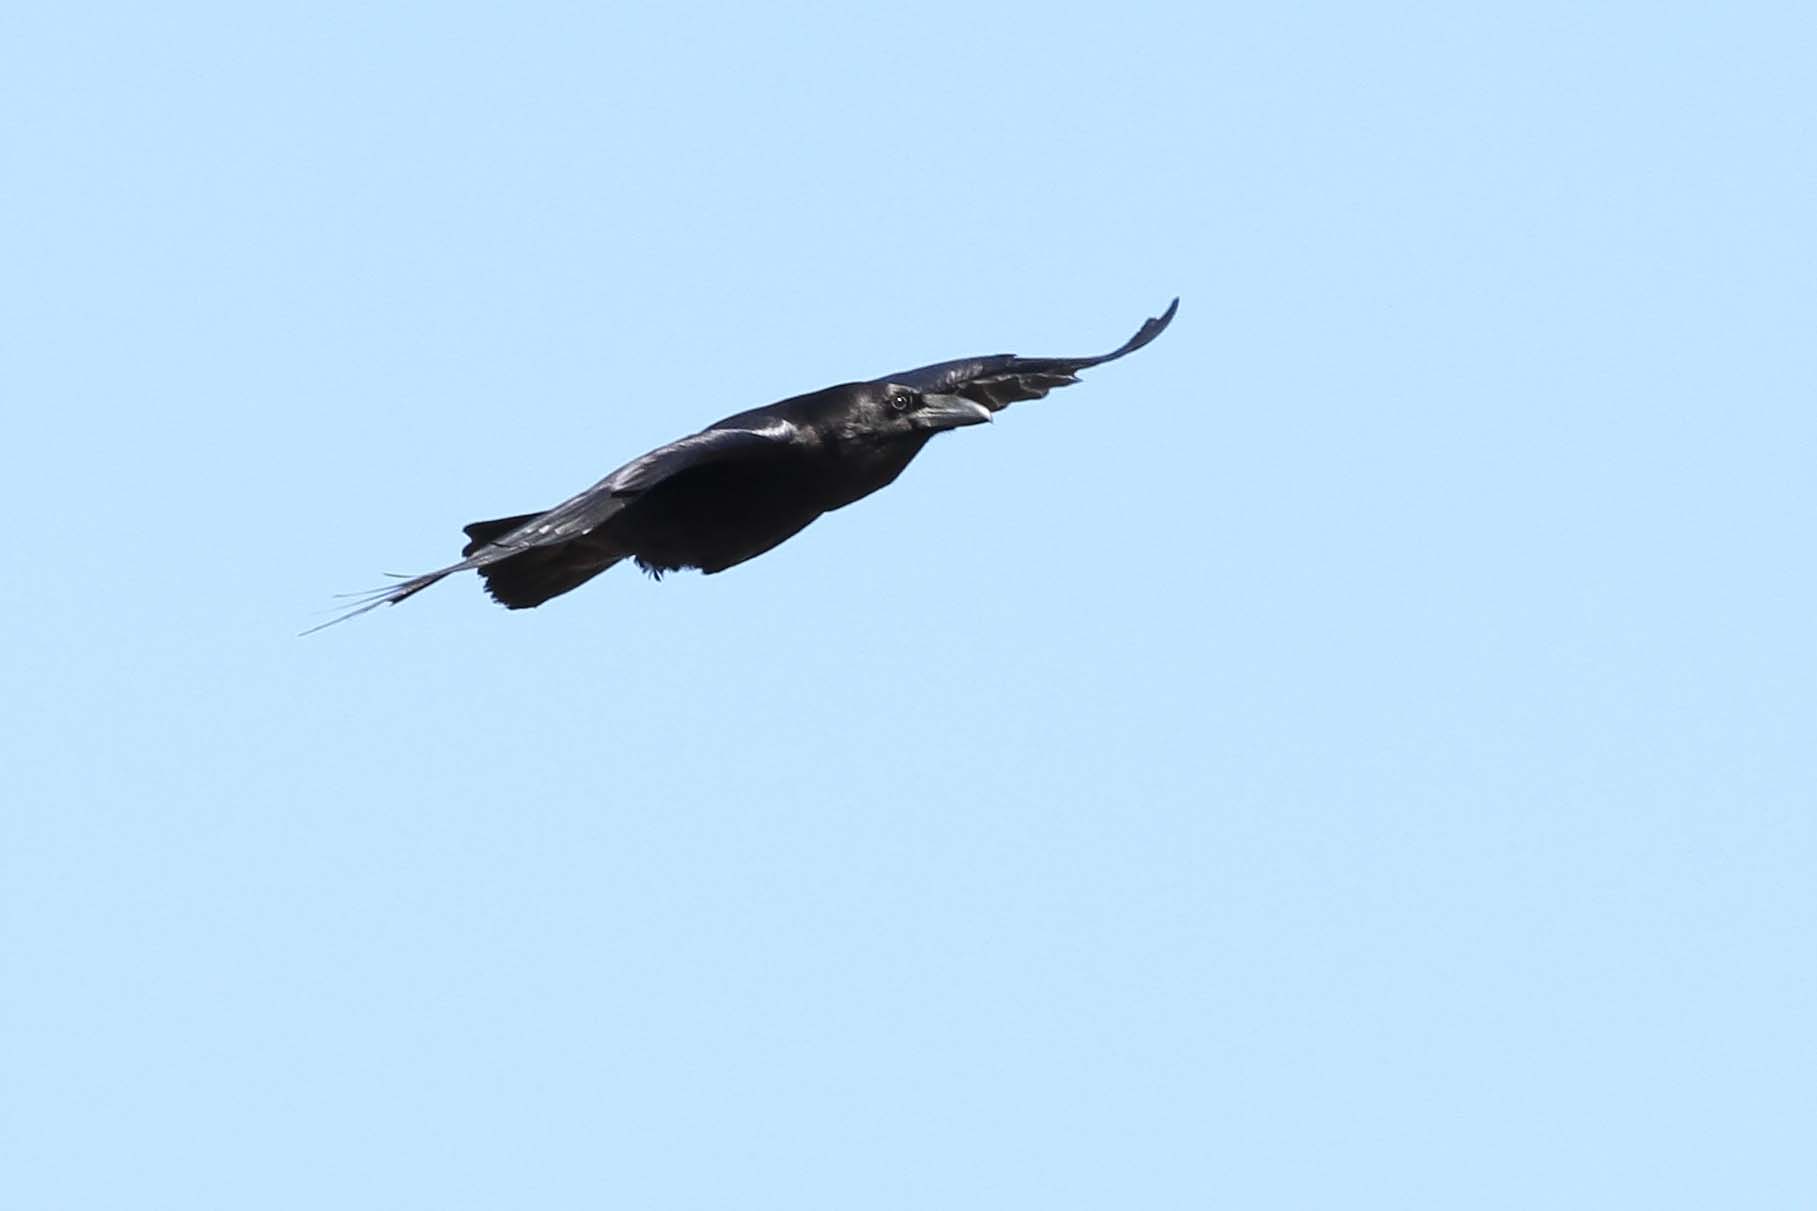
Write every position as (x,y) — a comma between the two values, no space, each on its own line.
(738,488)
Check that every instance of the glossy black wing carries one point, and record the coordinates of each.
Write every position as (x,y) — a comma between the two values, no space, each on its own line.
(588,510)
(580,514)
(1003,379)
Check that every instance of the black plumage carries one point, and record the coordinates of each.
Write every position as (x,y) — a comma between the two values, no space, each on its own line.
(736,489)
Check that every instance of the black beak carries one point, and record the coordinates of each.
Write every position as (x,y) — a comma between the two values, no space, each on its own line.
(950,412)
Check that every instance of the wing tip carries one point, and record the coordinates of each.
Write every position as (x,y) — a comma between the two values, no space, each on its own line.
(1150,329)
(372,599)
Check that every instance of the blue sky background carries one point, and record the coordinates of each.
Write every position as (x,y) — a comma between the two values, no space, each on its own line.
(1356,753)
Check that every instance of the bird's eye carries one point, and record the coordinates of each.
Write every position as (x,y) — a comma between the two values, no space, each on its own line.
(901,403)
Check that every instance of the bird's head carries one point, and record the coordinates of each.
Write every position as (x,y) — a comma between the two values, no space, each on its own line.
(890,410)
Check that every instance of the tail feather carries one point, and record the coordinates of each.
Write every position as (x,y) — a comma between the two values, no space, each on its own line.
(483,532)
(534,576)
(516,577)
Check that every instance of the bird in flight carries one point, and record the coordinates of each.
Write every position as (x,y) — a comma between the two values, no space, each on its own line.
(737,488)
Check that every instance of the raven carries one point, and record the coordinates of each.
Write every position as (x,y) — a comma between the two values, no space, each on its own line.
(739,487)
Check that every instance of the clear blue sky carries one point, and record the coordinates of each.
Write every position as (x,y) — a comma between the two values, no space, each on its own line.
(1356,753)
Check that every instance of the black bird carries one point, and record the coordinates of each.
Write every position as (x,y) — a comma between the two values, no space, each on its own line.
(737,488)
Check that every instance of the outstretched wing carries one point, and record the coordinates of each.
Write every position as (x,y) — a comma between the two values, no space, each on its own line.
(586,512)
(1004,379)
(582,514)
